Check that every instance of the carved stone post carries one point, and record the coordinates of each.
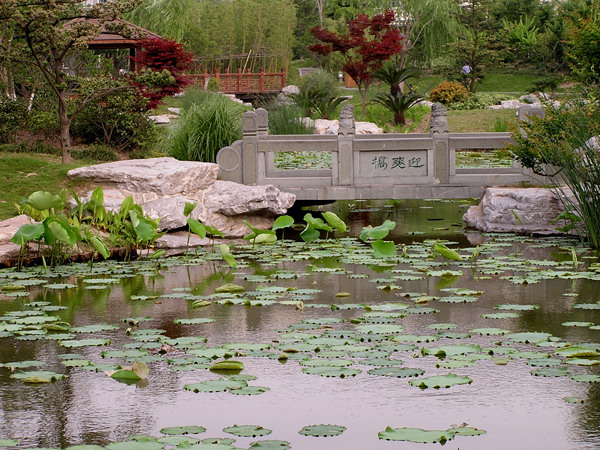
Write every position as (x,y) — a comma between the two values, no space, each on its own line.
(262,117)
(438,129)
(346,146)
(250,127)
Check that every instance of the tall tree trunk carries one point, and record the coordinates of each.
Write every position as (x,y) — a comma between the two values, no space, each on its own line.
(65,128)
(363,94)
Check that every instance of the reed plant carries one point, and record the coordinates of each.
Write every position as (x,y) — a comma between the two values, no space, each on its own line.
(288,119)
(206,126)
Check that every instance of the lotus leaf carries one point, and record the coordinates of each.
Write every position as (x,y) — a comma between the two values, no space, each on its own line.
(573,400)
(583,362)
(247,430)
(577,352)
(193,321)
(380,329)
(378,232)
(178,440)
(451,350)
(441,326)
(270,445)
(329,371)
(85,343)
(517,307)
(322,362)
(9,442)
(190,429)
(398,372)
(440,381)
(586,378)
(219,385)
(227,365)
(138,371)
(544,362)
(22,364)
(417,339)
(132,445)
(77,363)
(531,337)
(550,372)
(230,288)
(94,328)
(85,447)
(490,331)
(577,324)
(416,435)
(382,362)
(60,286)
(507,315)
(467,431)
(36,377)
(250,390)
(587,306)
(322,430)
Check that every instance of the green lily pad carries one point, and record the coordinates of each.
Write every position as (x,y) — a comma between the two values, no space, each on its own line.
(230,288)
(517,307)
(528,337)
(441,326)
(9,442)
(416,435)
(323,362)
(227,365)
(490,331)
(467,431)
(573,400)
(577,352)
(583,362)
(550,372)
(586,378)
(94,328)
(178,440)
(270,445)
(38,377)
(193,321)
(190,429)
(247,430)
(440,381)
(322,430)
(132,445)
(577,324)
(398,372)
(380,329)
(84,343)
(329,371)
(22,364)
(507,315)
(250,390)
(220,385)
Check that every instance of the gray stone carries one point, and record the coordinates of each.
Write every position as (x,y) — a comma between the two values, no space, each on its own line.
(234,226)
(331,127)
(291,89)
(160,120)
(179,240)
(170,211)
(149,179)
(176,111)
(521,210)
(232,199)
(9,227)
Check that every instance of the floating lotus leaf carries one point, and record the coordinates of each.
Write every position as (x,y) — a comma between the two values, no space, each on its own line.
(38,377)
(221,441)
(323,321)
(544,362)
(250,390)
(587,306)
(22,364)
(219,385)
(382,362)
(322,362)
(417,339)
(85,343)
(416,435)
(177,440)
(380,329)
(586,378)
(450,350)
(227,365)
(132,445)
(440,381)
(467,431)
(193,321)
(60,286)
(94,328)
(190,429)
(230,288)
(577,352)
(573,400)
(507,315)
(577,324)
(421,310)
(270,445)
(329,371)
(530,355)
(85,447)
(583,362)
(36,320)
(550,372)
(77,363)
(138,371)
(249,347)
(9,442)
(441,326)
(517,307)
(322,430)
(454,364)
(531,337)
(490,331)
(247,430)
(398,372)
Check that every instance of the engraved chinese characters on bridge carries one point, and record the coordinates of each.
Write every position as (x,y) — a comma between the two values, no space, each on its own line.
(393,164)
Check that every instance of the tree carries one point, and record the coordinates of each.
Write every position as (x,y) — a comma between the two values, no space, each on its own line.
(369,42)
(53,31)
(583,50)
(164,63)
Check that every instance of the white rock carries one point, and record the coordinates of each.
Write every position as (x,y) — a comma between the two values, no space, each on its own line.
(324,126)
(170,211)
(510,104)
(163,119)
(156,177)
(179,240)
(291,89)
(367,128)
(176,111)
(9,227)
(521,210)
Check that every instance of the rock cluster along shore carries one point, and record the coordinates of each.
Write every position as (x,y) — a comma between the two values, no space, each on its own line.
(517,210)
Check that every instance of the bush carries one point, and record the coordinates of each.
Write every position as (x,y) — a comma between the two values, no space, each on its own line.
(118,120)
(479,101)
(288,120)
(204,128)
(448,92)
(96,153)
(547,83)
(13,114)
(318,94)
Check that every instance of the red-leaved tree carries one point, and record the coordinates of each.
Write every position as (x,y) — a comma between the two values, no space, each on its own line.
(369,42)
(163,63)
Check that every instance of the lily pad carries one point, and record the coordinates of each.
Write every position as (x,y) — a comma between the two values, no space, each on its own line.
(550,372)
(227,365)
(38,377)
(270,445)
(380,329)
(220,385)
(329,371)
(506,315)
(440,381)
(190,429)
(398,372)
(247,430)
(250,390)
(193,321)
(416,435)
(85,343)
(322,430)
(586,378)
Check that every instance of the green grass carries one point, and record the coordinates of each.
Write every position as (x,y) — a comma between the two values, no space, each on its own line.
(23,174)
(480,120)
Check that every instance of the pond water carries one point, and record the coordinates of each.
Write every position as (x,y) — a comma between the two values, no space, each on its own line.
(387,314)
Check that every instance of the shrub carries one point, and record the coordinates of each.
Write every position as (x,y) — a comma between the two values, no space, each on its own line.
(547,83)
(288,120)
(118,119)
(213,84)
(13,114)
(96,153)
(448,92)
(479,101)
(318,94)
(204,128)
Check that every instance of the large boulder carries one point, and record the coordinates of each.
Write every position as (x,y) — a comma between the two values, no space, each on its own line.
(232,199)
(170,211)
(521,210)
(324,126)
(149,179)
(8,250)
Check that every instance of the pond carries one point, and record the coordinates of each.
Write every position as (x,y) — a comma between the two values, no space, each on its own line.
(362,338)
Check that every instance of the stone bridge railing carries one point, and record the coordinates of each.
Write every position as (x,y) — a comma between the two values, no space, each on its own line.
(368,166)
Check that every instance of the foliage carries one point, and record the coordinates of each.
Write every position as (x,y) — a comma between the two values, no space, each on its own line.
(318,94)
(448,92)
(398,104)
(13,114)
(118,120)
(583,50)
(287,119)
(205,128)
(369,42)
(545,83)
(164,62)
(478,101)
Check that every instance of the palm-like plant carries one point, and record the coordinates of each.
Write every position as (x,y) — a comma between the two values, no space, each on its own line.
(394,77)
(398,104)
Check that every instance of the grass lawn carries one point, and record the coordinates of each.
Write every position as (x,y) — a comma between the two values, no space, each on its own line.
(23,174)
(480,120)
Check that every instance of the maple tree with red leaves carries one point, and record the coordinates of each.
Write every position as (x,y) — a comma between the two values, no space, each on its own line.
(164,63)
(369,42)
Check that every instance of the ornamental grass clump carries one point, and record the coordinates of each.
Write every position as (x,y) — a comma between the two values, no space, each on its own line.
(206,127)
(288,119)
